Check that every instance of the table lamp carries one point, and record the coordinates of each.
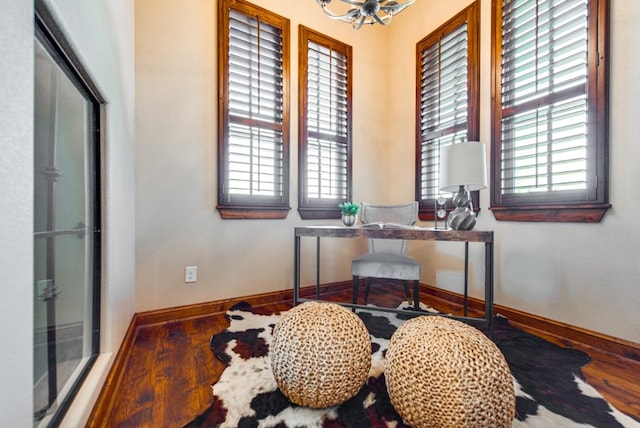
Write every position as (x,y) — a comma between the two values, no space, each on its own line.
(463,168)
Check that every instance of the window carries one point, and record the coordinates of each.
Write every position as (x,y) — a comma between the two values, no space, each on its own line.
(550,149)
(324,125)
(253,141)
(447,99)
(69,114)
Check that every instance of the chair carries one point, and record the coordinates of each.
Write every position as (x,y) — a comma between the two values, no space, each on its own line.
(387,257)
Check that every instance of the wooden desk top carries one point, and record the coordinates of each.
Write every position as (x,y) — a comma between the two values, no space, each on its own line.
(417,233)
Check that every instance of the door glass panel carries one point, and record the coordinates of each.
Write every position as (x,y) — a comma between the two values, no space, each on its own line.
(65,240)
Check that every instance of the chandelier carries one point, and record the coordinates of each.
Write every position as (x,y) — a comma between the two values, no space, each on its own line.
(366,11)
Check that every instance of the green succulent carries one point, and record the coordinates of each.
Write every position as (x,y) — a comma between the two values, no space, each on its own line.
(349,208)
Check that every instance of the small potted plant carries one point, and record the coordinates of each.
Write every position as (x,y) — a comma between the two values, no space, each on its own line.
(349,211)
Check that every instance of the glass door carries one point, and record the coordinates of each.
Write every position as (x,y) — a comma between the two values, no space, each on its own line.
(66,231)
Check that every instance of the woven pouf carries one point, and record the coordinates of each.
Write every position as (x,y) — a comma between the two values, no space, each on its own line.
(443,373)
(320,354)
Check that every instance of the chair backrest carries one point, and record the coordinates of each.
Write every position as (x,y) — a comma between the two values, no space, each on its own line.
(406,214)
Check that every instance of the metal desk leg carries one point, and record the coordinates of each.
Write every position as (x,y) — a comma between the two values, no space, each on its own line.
(318,268)
(296,270)
(466,275)
(488,287)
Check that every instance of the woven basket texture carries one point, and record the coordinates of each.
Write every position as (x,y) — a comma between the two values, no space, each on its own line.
(443,373)
(320,354)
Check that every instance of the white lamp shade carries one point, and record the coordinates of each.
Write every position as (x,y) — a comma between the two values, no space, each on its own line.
(463,164)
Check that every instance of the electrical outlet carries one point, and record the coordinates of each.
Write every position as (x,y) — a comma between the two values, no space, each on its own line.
(191,274)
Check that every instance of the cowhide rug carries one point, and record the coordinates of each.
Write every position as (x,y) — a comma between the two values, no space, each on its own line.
(550,388)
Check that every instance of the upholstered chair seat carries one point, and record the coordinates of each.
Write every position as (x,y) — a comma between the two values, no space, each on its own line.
(384,265)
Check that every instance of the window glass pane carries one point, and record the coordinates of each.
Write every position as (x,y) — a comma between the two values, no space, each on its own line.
(545,149)
(544,103)
(326,169)
(255,161)
(327,122)
(255,69)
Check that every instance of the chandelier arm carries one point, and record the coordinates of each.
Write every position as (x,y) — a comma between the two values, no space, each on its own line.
(347,17)
(380,21)
(359,26)
(397,8)
(353,2)
(348,20)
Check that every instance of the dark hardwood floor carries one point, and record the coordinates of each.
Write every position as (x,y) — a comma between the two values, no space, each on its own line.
(169,367)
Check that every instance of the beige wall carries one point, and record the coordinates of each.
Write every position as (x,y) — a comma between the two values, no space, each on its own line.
(102,33)
(176,110)
(16,212)
(581,274)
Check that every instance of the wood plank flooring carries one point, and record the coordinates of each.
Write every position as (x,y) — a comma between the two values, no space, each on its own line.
(169,369)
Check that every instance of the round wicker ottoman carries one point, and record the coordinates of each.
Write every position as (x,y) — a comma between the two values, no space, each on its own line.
(320,354)
(443,373)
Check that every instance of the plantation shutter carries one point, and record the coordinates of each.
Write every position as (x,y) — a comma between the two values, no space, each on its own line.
(255,164)
(443,108)
(544,142)
(327,150)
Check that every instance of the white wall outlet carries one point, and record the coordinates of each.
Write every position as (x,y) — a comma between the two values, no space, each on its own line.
(191,274)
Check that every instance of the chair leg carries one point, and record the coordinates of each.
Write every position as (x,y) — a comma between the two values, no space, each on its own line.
(367,288)
(416,294)
(405,283)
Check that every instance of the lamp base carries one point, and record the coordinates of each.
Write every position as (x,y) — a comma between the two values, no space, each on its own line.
(462,217)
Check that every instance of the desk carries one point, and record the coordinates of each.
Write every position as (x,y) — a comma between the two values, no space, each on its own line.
(424,234)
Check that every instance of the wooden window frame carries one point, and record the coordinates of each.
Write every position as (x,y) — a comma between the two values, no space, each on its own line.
(555,206)
(470,15)
(250,207)
(320,208)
